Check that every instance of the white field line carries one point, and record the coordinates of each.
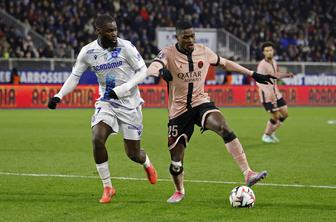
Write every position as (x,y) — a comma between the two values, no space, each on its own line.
(165,180)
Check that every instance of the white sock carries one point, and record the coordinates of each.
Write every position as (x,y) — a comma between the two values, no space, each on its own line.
(104,174)
(182,190)
(147,162)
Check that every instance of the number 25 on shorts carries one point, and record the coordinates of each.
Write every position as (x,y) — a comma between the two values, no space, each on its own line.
(172,131)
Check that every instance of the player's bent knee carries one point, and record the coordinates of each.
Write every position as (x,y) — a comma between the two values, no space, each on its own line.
(283,118)
(176,168)
(222,130)
(229,137)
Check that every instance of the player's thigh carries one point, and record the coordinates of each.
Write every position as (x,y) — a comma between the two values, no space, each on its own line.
(177,153)
(216,122)
(284,111)
(275,115)
(100,132)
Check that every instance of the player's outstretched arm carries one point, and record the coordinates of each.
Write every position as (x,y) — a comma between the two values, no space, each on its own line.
(281,75)
(123,89)
(157,69)
(235,67)
(69,85)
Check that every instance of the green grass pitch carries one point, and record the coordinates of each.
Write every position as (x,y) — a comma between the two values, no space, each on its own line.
(55,146)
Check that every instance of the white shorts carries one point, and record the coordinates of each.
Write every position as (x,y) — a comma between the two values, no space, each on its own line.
(126,121)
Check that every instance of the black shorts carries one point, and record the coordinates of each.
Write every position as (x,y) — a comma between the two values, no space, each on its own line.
(181,128)
(272,107)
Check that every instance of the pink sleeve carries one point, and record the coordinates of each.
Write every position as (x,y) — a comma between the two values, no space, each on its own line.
(153,69)
(162,57)
(261,68)
(212,57)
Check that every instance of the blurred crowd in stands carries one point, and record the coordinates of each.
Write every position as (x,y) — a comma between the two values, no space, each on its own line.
(303,30)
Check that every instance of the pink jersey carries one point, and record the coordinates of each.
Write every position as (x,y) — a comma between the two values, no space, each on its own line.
(269,92)
(186,90)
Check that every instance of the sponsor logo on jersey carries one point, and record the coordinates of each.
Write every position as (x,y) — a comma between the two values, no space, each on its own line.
(190,76)
(110,65)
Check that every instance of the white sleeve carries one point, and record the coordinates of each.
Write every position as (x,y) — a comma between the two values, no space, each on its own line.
(134,58)
(77,71)
(124,89)
(69,85)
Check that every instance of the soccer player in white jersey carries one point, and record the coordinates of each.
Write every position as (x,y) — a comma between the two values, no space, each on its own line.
(115,61)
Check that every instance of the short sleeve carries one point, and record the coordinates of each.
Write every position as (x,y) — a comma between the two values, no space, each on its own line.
(81,64)
(134,58)
(212,57)
(261,68)
(162,57)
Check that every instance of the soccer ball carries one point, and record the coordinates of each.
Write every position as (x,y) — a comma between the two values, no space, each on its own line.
(242,196)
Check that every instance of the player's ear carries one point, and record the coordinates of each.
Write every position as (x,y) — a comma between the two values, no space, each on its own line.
(98,31)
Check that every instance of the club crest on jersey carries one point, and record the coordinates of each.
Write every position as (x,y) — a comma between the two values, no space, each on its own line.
(113,54)
(200,64)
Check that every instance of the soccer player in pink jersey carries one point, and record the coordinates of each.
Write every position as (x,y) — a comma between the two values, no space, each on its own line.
(270,96)
(184,66)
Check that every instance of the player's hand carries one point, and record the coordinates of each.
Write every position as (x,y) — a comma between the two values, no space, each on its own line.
(53,102)
(166,74)
(113,95)
(263,79)
(289,75)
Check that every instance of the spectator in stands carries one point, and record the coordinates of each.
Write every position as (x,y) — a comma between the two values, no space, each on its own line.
(15,78)
(70,23)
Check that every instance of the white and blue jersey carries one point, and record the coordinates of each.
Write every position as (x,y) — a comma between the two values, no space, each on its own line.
(113,67)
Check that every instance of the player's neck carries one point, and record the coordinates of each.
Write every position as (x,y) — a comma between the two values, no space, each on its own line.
(105,45)
(182,50)
(268,59)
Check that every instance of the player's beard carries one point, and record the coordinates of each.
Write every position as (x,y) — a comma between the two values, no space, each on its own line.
(106,42)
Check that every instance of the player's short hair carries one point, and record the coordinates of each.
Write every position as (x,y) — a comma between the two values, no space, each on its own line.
(267,44)
(183,24)
(101,20)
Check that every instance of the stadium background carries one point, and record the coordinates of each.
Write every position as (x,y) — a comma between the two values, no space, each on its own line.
(42,38)
(46,167)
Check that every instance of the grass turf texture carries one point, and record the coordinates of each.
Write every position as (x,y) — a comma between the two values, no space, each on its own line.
(59,142)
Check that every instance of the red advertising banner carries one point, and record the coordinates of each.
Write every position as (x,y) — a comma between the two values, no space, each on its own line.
(84,96)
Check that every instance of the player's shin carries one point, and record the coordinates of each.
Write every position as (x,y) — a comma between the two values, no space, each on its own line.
(176,170)
(236,150)
(271,126)
(104,174)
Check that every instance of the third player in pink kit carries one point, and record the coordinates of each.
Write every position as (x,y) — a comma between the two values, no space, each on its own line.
(270,96)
